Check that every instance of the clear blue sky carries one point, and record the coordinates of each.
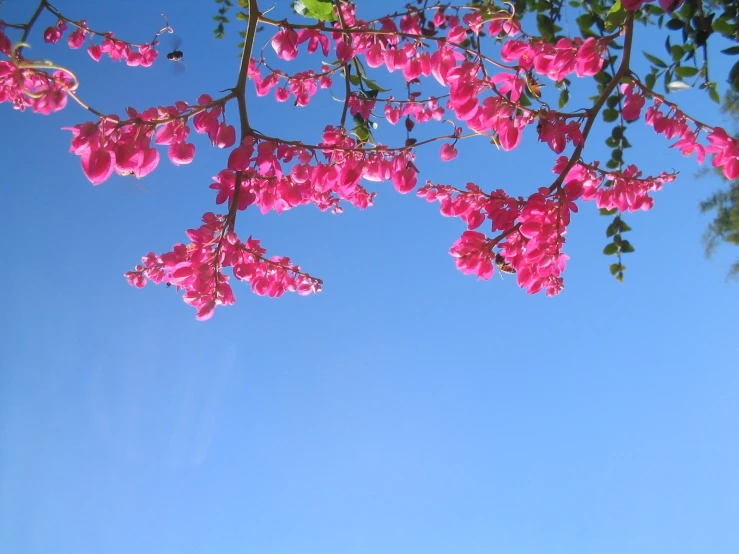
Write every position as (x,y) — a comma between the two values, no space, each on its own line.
(407,409)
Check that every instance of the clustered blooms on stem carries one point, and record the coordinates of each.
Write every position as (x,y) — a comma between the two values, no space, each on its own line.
(495,100)
(125,146)
(197,268)
(37,85)
(133,54)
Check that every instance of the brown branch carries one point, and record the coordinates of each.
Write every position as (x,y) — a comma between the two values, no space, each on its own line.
(593,112)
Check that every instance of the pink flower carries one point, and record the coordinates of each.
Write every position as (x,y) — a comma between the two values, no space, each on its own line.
(344,51)
(557,132)
(4,43)
(285,43)
(77,37)
(472,255)
(314,38)
(726,152)
(448,152)
(181,153)
(52,35)
(633,104)
(226,136)
(95,52)
(97,164)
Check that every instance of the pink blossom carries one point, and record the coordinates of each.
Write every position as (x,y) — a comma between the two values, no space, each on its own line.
(52,35)
(314,38)
(448,152)
(557,131)
(226,136)
(4,42)
(77,37)
(181,153)
(95,52)
(726,152)
(285,43)
(472,255)
(195,269)
(344,51)
(97,164)
(633,103)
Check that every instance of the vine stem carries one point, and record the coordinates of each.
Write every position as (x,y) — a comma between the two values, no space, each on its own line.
(593,112)
(240,92)
(347,68)
(27,27)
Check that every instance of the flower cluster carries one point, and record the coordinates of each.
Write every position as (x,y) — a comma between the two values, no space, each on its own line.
(197,268)
(28,85)
(624,190)
(676,125)
(268,182)
(125,146)
(532,238)
(302,85)
(144,55)
(436,45)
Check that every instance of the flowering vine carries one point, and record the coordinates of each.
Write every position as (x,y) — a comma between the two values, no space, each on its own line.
(496,99)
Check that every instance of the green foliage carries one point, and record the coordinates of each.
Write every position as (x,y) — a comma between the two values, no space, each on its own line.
(322,10)
(725,203)
(618,244)
(220,18)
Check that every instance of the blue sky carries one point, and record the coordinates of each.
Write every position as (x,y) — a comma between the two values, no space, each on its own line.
(406,409)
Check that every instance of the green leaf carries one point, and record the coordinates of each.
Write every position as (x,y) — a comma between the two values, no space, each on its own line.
(354,80)
(603,78)
(615,268)
(676,52)
(610,115)
(585,21)
(626,246)
(712,94)
(624,227)
(242,16)
(610,249)
(603,211)
(723,25)
(734,50)
(564,97)
(651,80)
(655,60)
(616,16)
(734,76)
(612,228)
(675,24)
(545,25)
(322,10)
(374,86)
(684,71)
